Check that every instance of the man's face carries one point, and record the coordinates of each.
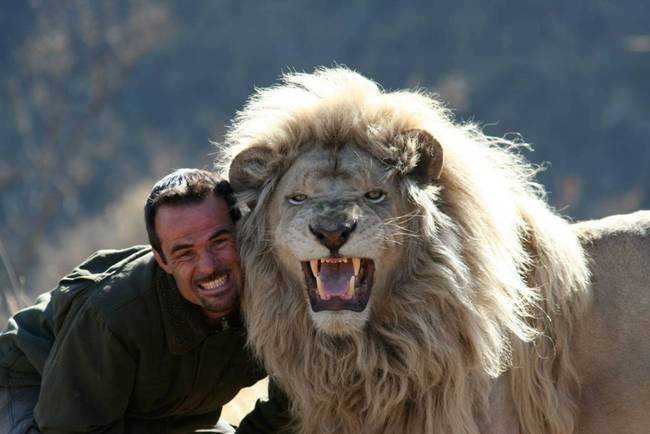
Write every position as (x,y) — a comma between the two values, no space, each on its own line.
(198,243)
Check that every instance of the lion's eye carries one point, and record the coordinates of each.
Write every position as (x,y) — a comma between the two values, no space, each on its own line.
(297,199)
(375,196)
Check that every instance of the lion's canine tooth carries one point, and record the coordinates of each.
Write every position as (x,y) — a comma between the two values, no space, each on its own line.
(350,291)
(356,262)
(314,267)
(321,291)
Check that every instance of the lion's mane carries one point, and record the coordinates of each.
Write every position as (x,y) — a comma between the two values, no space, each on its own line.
(490,286)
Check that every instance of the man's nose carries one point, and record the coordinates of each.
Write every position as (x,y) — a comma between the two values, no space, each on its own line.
(207,262)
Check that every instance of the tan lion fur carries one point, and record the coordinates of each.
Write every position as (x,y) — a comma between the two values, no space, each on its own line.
(491,284)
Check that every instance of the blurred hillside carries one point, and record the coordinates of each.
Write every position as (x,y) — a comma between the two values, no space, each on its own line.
(98,99)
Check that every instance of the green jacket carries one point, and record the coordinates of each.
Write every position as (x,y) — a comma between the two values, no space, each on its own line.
(117,349)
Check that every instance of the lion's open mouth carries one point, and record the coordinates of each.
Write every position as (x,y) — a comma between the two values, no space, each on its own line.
(338,283)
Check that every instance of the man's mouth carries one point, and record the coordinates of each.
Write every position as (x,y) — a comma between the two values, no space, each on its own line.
(342,283)
(215,284)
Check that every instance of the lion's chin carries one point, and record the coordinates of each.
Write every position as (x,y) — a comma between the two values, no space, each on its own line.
(339,323)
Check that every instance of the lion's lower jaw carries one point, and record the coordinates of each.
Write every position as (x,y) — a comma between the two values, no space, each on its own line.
(340,323)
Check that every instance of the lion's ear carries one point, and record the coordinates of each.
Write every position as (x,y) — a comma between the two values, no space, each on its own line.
(430,156)
(250,168)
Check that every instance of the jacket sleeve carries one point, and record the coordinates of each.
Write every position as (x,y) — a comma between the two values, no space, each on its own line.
(268,417)
(87,379)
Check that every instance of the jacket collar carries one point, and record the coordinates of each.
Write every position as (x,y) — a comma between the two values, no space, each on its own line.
(183,321)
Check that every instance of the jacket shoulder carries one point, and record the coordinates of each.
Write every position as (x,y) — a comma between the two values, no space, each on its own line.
(128,282)
(104,263)
(105,282)
(121,297)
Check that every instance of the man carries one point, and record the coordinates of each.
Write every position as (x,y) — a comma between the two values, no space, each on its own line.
(142,340)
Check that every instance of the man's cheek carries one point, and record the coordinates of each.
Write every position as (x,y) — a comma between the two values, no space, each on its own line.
(233,255)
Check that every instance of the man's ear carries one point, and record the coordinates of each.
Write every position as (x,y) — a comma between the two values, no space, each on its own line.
(250,168)
(161,262)
(430,161)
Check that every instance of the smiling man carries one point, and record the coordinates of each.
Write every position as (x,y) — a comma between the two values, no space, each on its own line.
(142,340)
(202,257)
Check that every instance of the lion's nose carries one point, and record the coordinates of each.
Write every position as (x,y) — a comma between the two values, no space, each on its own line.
(333,236)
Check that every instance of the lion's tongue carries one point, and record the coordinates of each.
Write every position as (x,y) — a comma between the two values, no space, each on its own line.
(336,277)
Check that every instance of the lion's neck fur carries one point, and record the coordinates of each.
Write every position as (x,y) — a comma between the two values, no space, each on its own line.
(391,378)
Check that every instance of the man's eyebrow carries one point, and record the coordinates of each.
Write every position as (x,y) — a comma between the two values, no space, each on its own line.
(216,234)
(178,247)
(220,232)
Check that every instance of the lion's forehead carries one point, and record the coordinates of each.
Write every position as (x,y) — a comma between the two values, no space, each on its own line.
(321,169)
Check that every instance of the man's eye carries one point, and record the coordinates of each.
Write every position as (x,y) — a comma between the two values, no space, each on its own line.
(297,199)
(186,256)
(375,196)
(219,242)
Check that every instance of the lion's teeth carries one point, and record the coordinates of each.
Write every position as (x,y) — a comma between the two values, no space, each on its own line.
(321,290)
(356,262)
(314,267)
(334,260)
(350,291)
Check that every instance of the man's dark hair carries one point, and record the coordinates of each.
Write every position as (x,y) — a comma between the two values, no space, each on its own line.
(185,186)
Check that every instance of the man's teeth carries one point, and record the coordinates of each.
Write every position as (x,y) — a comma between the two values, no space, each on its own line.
(219,281)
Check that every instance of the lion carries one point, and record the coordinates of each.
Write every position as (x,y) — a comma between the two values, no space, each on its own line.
(405,273)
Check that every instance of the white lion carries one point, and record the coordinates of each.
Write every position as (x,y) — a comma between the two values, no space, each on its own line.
(405,274)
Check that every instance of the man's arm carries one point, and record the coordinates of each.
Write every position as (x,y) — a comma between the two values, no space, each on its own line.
(87,379)
(268,417)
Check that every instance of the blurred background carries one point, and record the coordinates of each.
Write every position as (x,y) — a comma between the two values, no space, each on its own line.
(99,99)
